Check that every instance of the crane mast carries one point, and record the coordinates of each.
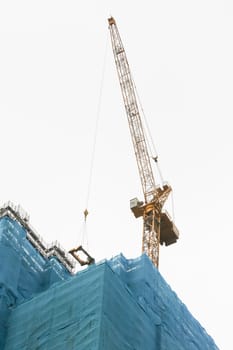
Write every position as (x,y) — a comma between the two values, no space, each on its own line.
(157,225)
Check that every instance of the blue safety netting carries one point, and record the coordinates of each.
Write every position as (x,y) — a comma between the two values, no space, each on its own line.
(176,328)
(24,272)
(23,269)
(118,304)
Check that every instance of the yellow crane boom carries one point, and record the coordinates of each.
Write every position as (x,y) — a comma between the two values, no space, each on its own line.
(157,225)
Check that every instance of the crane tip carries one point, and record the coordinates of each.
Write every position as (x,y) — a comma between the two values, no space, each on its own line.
(111,21)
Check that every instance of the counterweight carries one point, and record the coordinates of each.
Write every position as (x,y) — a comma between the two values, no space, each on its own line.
(154,197)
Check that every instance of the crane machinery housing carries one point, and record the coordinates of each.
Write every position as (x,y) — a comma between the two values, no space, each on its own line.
(158,228)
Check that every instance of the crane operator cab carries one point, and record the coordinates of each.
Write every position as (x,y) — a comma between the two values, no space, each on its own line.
(169,233)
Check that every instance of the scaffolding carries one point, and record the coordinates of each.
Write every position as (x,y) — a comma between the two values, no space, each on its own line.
(17,213)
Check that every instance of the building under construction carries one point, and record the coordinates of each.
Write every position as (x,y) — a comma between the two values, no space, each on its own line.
(117,304)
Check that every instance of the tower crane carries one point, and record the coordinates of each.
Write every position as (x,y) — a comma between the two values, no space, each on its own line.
(158,228)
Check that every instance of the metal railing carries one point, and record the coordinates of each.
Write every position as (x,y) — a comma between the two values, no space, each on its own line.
(16,212)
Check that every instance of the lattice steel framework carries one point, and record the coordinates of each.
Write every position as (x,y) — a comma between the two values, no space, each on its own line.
(154,197)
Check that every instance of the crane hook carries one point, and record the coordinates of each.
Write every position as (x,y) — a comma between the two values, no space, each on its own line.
(85,214)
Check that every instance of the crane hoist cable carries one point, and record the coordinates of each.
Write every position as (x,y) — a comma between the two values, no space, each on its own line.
(82,237)
(98,113)
(79,253)
(93,153)
(75,252)
(84,240)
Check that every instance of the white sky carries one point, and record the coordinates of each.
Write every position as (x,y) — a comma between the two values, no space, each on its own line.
(180,53)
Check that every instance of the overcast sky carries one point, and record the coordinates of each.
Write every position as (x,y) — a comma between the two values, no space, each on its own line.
(52,56)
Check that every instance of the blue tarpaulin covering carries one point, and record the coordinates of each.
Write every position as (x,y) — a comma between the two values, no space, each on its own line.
(118,304)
